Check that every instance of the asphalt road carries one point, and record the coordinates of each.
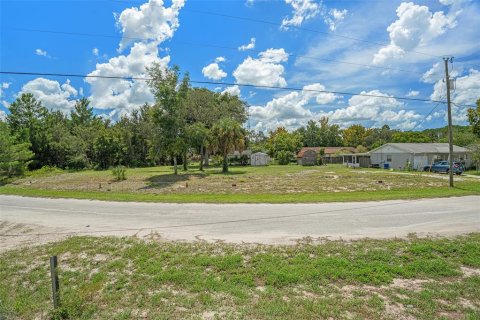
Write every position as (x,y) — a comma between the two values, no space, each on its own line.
(37,220)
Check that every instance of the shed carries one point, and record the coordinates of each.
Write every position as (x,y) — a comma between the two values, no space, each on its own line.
(309,158)
(416,155)
(330,154)
(259,159)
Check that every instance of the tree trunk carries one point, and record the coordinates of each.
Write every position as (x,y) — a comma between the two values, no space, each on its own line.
(201,157)
(175,168)
(185,167)
(205,158)
(225,164)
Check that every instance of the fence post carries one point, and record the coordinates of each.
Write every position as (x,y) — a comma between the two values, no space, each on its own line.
(55,283)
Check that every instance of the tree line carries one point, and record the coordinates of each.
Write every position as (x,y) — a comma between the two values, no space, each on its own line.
(183,124)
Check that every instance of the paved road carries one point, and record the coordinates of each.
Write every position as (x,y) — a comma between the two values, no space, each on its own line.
(40,219)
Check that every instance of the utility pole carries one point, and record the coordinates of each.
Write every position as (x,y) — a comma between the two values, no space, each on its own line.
(450,133)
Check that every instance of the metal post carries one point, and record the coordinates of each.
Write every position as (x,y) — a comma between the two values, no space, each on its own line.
(450,134)
(55,283)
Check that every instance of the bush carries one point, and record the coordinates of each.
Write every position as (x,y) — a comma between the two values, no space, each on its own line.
(119,173)
(284,157)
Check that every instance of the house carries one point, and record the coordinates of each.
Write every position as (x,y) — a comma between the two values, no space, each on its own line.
(416,155)
(259,159)
(330,154)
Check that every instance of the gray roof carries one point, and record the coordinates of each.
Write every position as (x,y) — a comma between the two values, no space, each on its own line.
(425,147)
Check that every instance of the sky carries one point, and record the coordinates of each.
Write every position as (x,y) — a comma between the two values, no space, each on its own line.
(373,52)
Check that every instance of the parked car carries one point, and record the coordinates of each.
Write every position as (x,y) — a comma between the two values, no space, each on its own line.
(444,166)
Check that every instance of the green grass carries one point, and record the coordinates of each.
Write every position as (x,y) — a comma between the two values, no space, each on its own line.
(125,278)
(272,184)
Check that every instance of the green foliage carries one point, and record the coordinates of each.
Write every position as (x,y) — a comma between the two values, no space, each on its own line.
(354,135)
(282,140)
(321,134)
(14,156)
(411,137)
(474,118)
(227,135)
(284,157)
(119,173)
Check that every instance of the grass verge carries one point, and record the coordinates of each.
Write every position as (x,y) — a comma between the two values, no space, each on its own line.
(461,189)
(126,278)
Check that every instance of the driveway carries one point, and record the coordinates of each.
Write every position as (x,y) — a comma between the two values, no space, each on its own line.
(26,220)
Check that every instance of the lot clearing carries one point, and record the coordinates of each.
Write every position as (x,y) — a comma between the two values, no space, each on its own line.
(272,184)
(128,278)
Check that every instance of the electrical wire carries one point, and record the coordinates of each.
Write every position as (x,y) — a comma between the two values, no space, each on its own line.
(69,33)
(73,75)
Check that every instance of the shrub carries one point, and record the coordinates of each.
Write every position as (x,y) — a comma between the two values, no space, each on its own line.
(284,157)
(119,172)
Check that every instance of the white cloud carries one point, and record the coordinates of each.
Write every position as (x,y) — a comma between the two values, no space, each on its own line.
(311,91)
(415,26)
(95,52)
(302,10)
(294,109)
(3,115)
(232,90)
(123,94)
(264,71)
(40,52)
(5,85)
(52,94)
(413,93)
(151,21)
(249,46)
(467,92)
(220,59)
(213,71)
(334,17)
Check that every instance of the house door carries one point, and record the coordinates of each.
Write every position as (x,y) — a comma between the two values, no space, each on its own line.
(419,162)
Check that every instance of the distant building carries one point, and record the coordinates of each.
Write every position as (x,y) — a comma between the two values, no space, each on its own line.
(259,159)
(416,155)
(330,154)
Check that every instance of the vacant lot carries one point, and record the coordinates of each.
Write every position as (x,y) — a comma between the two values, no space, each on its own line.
(243,184)
(125,278)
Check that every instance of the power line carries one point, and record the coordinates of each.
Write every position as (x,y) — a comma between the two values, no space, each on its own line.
(68,33)
(431,111)
(204,223)
(72,75)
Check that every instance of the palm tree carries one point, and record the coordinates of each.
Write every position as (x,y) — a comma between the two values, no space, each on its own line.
(227,135)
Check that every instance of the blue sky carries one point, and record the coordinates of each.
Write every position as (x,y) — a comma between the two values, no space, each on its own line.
(385,48)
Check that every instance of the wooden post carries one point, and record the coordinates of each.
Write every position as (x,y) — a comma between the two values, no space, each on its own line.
(55,283)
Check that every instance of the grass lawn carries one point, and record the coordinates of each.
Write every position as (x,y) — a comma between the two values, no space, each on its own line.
(126,278)
(273,184)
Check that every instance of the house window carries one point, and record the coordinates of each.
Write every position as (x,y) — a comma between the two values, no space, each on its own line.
(389,158)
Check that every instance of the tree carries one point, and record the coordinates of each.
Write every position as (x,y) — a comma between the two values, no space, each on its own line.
(197,135)
(354,135)
(226,136)
(283,143)
(411,137)
(27,123)
(330,134)
(474,118)
(170,117)
(14,156)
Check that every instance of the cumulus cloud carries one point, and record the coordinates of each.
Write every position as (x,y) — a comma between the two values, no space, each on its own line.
(302,10)
(312,91)
(52,94)
(295,109)
(267,70)
(220,59)
(5,85)
(232,90)
(249,46)
(467,92)
(40,52)
(213,71)
(124,94)
(95,52)
(416,25)
(150,21)
(334,17)
(413,93)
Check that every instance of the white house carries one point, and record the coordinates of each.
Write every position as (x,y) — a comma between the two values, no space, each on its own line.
(418,155)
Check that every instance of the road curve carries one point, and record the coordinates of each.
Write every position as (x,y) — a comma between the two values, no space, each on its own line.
(24,220)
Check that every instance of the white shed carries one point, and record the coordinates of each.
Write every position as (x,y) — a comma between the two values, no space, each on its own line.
(417,155)
(259,159)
